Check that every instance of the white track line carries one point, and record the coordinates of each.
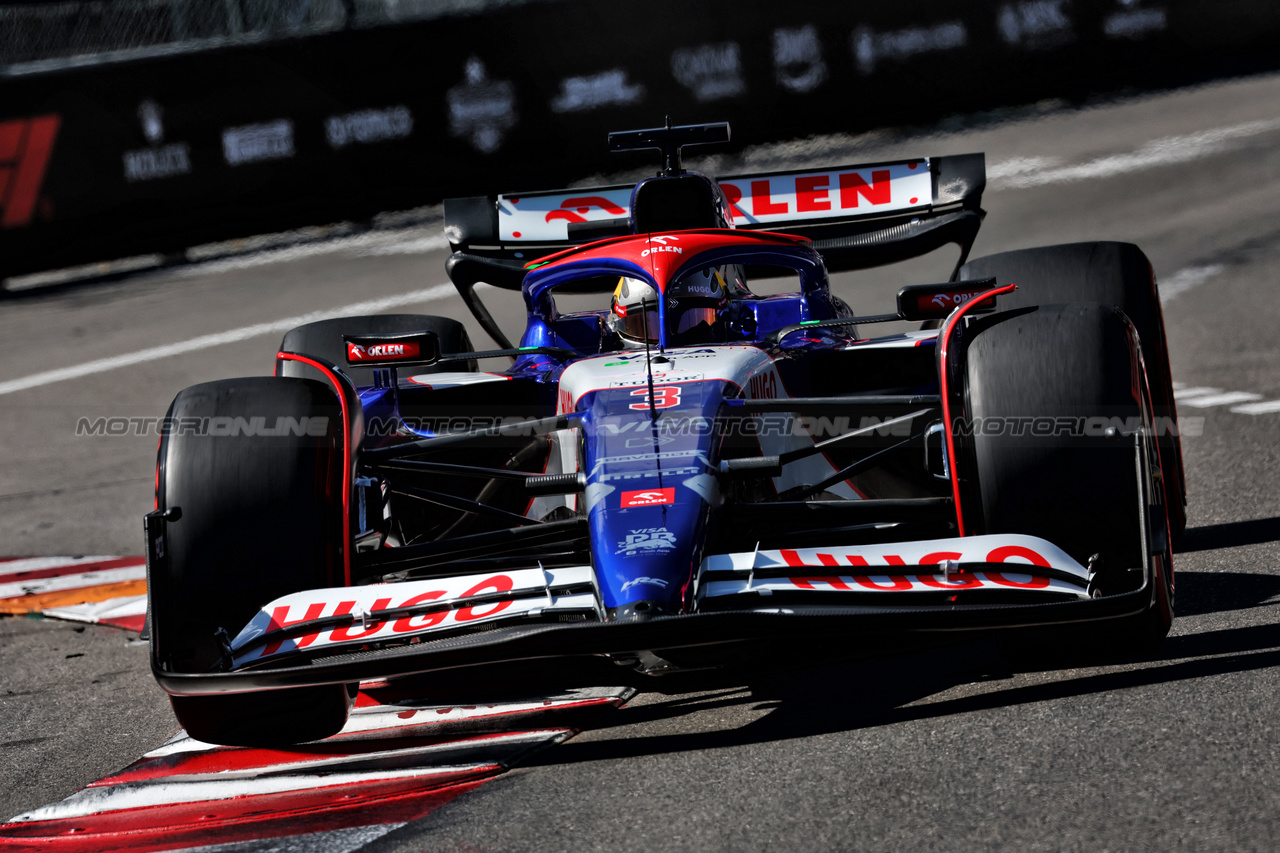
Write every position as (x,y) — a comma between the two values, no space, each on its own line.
(1265,408)
(1204,401)
(1185,279)
(1181,394)
(231,336)
(1021,173)
(358,245)
(1202,397)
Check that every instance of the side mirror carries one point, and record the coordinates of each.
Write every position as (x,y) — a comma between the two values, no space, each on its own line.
(936,301)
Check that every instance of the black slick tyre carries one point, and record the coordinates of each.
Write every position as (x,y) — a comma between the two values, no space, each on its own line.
(1110,273)
(1042,386)
(251,473)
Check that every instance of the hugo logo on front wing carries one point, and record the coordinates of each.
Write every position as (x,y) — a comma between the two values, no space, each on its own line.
(286,616)
(25,147)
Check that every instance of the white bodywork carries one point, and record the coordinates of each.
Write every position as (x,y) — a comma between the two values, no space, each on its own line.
(919,567)
(747,367)
(502,596)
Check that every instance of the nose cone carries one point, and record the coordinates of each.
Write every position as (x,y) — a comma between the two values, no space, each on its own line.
(650,488)
(648,553)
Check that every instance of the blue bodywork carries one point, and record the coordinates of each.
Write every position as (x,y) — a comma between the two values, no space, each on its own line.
(646,555)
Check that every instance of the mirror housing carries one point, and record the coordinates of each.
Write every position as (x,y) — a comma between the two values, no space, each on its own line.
(936,301)
(419,348)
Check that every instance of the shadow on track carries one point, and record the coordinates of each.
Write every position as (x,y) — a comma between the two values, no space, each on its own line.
(808,699)
(1232,535)
(1201,593)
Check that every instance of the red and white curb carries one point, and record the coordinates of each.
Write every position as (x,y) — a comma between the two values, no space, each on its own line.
(104,590)
(393,763)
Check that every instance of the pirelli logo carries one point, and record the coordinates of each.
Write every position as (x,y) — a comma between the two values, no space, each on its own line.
(25,146)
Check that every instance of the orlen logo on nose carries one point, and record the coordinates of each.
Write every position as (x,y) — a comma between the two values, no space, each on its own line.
(649,497)
(355,352)
(25,146)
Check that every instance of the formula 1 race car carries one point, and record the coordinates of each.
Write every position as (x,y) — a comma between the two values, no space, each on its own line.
(718,454)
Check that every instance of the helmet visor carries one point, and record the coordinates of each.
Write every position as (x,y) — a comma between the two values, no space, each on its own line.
(639,323)
(690,318)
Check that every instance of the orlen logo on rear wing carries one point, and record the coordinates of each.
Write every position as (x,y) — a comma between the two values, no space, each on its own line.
(756,199)
(839,193)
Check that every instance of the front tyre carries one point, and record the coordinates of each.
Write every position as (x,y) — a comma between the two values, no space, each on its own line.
(1042,387)
(1111,273)
(251,472)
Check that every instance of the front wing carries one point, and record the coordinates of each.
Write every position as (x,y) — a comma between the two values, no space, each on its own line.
(380,631)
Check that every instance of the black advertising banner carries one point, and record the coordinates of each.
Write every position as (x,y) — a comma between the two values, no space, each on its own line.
(156,154)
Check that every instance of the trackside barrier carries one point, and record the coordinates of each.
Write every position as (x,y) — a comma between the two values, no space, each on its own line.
(163,150)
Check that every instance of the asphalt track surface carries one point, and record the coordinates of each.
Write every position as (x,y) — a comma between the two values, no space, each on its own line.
(960,748)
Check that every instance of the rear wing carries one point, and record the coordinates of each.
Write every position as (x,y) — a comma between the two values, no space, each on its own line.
(857,217)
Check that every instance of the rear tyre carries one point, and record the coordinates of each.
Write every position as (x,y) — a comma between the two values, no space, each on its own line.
(1113,274)
(324,338)
(258,516)
(1042,384)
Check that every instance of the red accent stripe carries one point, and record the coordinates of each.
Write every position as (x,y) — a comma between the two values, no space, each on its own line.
(128,623)
(73,569)
(346,458)
(28,176)
(241,818)
(156,502)
(944,339)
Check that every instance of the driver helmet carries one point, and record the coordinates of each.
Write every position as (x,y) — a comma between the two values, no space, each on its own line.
(635,309)
(694,303)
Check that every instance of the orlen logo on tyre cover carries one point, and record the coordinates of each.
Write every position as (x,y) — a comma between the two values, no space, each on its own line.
(381,352)
(25,146)
(649,497)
